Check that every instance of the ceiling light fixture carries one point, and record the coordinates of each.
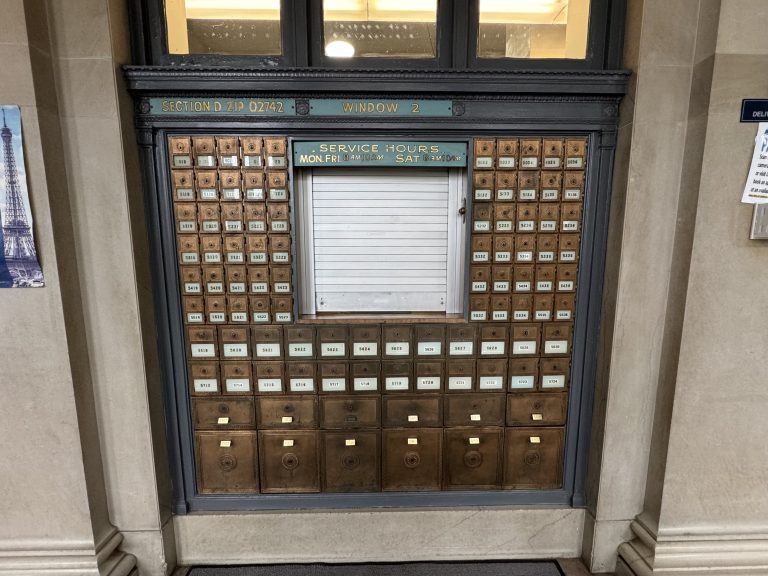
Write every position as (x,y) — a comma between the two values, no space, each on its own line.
(339,49)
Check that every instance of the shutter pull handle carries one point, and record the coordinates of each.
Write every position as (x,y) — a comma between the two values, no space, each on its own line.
(463,210)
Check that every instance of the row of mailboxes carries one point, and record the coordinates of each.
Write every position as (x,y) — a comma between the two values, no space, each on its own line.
(208,187)
(235,279)
(528,186)
(538,278)
(522,248)
(227,151)
(232,218)
(530,153)
(371,461)
(234,249)
(237,309)
(526,218)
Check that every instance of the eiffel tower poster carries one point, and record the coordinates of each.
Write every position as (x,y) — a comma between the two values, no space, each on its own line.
(19,266)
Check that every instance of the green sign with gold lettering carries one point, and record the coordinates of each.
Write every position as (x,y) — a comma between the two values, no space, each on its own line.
(385,108)
(379,153)
(223,106)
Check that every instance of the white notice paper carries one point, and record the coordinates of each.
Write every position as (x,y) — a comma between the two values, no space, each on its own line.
(756,189)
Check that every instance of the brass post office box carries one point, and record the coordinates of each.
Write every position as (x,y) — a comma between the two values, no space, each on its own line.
(332,341)
(575,153)
(299,342)
(533,458)
(483,186)
(507,151)
(204,378)
(472,458)
(213,277)
(570,217)
(289,412)
(237,279)
(256,218)
(258,279)
(503,245)
(545,277)
(555,373)
(277,185)
(223,413)
(234,343)
(493,340)
(506,186)
(202,342)
(542,306)
(301,377)
(485,151)
(216,309)
(397,341)
(180,150)
(523,374)
(237,378)
(500,304)
(566,277)
(365,341)
(528,186)
(549,217)
(430,340)
(481,249)
(479,308)
(207,185)
(237,309)
(204,149)
(350,412)
(430,375)
(275,149)
(522,304)
(523,277)
(209,217)
(482,218)
(270,377)
(253,182)
(396,375)
(232,218)
(461,375)
(191,280)
(502,278)
(553,153)
(194,309)
(525,339)
(565,306)
(536,409)
(267,342)
(569,247)
(351,461)
(251,152)
(229,151)
(230,186)
(461,340)
(412,459)
(557,338)
(530,153)
(525,245)
(256,248)
(551,184)
(211,248)
(227,463)
(333,376)
(282,308)
(259,308)
(491,374)
(546,248)
(277,216)
(280,249)
(480,278)
(474,409)
(183,186)
(504,218)
(189,249)
(289,461)
(365,376)
(421,411)
(280,277)
(234,249)
(573,186)
(527,215)
(186,218)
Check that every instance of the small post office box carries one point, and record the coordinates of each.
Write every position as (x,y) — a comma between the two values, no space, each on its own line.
(280,249)
(186,218)
(396,375)
(253,182)
(232,218)
(234,249)
(365,376)
(277,186)
(290,412)
(202,342)
(228,149)
(237,309)
(255,214)
(485,151)
(429,375)
(461,375)
(234,343)
(523,277)
(461,340)
(267,342)
(191,280)
(204,378)
(546,248)
(523,374)
(525,339)
(482,218)
(299,342)
(397,341)
(277,217)
(545,277)
(522,304)
(216,309)
(412,459)
(502,278)
(275,149)
(183,186)
(536,409)
(493,340)
(333,376)
(213,278)
(223,413)
(269,376)
(481,249)
(479,308)
(553,153)
(507,153)
(506,186)
(351,461)
(524,248)
(528,186)
(542,307)
(570,217)
(365,341)
(350,412)
(237,279)
(500,307)
(575,153)
(300,376)
(566,277)
(419,411)
(211,248)
(527,216)
(259,309)
(282,308)
(258,279)
(533,458)
(180,150)
(256,248)
(332,341)
(480,278)
(530,154)
(227,463)
(207,185)
(557,338)
(205,151)
(194,309)
(483,186)
(289,461)
(565,306)
(549,217)
(555,373)
(551,184)
(188,248)
(252,147)
(573,186)
(569,247)
(430,340)
(230,186)
(472,458)
(474,410)
(504,218)
(209,216)
(491,374)
(237,378)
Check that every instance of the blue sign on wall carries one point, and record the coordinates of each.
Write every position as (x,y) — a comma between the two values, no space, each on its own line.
(754,110)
